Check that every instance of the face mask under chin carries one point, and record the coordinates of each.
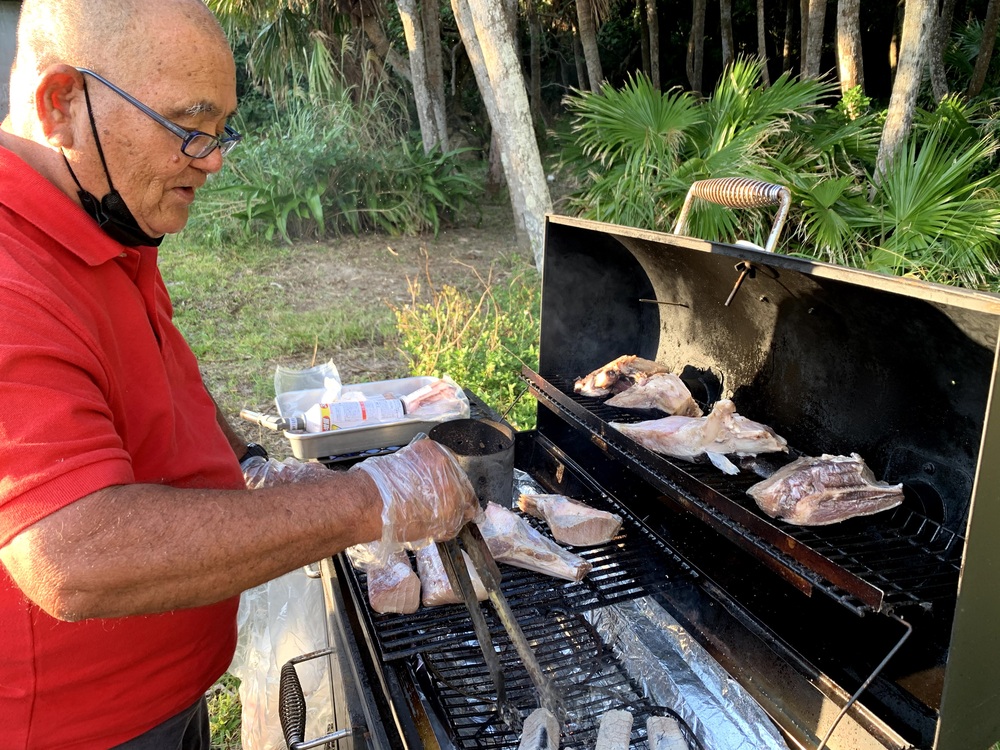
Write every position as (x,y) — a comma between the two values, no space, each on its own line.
(114,217)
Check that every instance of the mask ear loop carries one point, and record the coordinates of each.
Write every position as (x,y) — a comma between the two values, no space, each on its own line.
(97,141)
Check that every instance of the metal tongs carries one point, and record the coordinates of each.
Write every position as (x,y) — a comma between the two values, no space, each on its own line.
(458,576)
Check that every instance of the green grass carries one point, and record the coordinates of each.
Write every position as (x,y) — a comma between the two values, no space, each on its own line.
(224,714)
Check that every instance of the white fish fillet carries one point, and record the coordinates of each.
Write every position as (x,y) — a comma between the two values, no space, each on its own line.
(394,587)
(540,731)
(436,587)
(664,733)
(722,432)
(570,521)
(820,491)
(514,541)
(617,375)
(615,732)
(664,391)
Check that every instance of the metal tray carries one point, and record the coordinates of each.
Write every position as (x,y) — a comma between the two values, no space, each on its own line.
(352,440)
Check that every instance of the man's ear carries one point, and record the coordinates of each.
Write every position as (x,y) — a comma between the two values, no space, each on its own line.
(60,88)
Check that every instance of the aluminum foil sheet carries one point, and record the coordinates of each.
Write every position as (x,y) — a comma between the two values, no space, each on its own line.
(674,670)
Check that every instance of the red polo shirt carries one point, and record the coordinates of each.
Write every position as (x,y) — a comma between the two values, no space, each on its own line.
(97,388)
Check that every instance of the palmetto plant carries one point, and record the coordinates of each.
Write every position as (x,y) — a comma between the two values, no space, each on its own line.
(935,215)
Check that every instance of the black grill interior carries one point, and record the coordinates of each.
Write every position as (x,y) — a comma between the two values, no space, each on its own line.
(895,559)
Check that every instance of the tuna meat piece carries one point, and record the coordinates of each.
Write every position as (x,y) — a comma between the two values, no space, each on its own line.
(829,489)
(722,432)
(615,731)
(618,375)
(570,521)
(664,733)
(514,541)
(394,587)
(540,731)
(436,586)
(664,391)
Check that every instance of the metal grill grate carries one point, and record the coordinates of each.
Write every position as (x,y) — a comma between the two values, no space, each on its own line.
(589,681)
(631,565)
(902,559)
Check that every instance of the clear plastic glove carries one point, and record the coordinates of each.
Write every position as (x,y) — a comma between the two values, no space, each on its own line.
(426,496)
(261,472)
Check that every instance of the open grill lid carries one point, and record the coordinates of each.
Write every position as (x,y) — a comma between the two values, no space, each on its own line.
(836,361)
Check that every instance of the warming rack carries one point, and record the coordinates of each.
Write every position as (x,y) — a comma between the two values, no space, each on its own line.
(900,560)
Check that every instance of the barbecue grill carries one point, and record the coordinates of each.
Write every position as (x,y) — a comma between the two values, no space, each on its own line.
(877,632)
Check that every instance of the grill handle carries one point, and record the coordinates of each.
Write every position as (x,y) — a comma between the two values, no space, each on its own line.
(739,192)
(292,706)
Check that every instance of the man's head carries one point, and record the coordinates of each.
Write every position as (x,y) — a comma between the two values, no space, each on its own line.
(170,55)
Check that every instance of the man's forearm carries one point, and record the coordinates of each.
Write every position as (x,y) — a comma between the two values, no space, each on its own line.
(138,549)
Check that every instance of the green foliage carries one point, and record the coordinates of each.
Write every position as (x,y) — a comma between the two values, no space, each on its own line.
(337,166)
(480,341)
(224,714)
(933,215)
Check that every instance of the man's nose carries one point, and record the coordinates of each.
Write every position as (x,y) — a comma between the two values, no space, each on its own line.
(210,163)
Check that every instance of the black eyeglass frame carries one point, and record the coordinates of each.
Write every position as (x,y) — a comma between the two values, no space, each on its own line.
(224,143)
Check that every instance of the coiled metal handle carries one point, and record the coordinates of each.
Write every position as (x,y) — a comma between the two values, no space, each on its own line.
(739,192)
(292,706)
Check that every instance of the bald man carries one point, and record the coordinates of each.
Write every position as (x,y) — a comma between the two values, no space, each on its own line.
(126,530)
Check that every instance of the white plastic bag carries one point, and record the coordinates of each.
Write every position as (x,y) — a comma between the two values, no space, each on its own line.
(278,621)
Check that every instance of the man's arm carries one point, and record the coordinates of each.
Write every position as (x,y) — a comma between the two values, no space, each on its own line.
(137,549)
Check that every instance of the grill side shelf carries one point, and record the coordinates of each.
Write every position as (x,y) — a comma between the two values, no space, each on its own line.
(791,554)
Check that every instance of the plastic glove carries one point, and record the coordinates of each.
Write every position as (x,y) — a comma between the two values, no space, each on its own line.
(261,472)
(426,496)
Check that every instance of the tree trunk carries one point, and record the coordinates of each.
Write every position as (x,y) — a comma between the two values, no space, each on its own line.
(985,49)
(431,16)
(535,57)
(903,102)
(380,43)
(813,49)
(762,43)
(581,65)
(489,43)
(653,22)
(938,45)
(587,25)
(644,39)
(726,25)
(849,60)
(696,46)
(413,29)
(786,46)
(804,35)
(894,41)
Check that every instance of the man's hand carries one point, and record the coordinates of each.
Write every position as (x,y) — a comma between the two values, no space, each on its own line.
(426,495)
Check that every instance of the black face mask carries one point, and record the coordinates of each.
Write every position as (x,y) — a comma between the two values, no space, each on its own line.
(110,213)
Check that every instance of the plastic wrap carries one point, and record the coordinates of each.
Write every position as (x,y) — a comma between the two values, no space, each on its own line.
(297,390)
(266,472)
(278,621)
(426,497)
(673,670)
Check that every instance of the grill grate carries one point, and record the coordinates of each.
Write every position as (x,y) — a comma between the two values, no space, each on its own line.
(632,565)
(589,681)
(902,559)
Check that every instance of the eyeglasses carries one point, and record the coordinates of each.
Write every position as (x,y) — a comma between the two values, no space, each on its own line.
(196,144)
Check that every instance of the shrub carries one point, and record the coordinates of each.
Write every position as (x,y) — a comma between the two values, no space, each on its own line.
(480,340)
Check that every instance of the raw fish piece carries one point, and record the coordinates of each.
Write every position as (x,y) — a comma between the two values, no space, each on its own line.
(829,489)
(540,731)
(570,521)
(722,431)
(434,580)
(394,587)
(617,376)
(664,391)
(664,733)
(615,732)
(514,541)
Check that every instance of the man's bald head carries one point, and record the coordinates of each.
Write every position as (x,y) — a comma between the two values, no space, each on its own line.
(109,36)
